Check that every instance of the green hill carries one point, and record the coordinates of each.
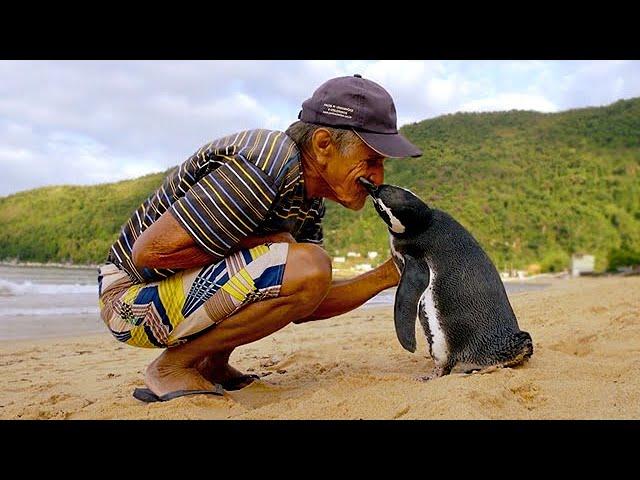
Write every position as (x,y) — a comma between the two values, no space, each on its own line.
(69,224)
(531,187)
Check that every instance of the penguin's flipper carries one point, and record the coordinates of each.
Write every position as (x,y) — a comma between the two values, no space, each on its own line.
(413,282)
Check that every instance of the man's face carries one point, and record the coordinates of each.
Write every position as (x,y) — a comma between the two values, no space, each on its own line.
(342,172)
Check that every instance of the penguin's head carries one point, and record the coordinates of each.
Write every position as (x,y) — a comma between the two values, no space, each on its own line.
(403,211)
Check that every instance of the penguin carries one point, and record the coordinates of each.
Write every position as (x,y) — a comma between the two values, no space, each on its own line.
(449,283)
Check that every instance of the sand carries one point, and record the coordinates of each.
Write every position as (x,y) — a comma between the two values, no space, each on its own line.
(586,336)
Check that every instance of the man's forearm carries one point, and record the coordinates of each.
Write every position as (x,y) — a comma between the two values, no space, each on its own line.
(171,248)
(185,258)
(345,295)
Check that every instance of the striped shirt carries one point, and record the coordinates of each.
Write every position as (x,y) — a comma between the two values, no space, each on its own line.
(248,183)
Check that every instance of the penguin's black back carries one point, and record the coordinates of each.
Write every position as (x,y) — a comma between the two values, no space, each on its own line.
(474,310)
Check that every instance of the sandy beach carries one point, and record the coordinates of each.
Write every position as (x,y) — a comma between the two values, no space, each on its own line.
(586,334)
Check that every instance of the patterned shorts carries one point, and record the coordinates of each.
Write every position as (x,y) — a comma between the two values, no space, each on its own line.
(169,312)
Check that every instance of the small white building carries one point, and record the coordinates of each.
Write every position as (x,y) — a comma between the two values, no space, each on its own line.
(581,263)
(353,254)
(372,255)
(365,267)
(339,260)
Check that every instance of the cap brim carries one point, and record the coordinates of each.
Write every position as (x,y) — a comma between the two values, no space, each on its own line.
(392,145)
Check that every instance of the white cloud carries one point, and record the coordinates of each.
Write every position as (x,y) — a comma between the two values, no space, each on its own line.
(441,89)
(526,65)
(134,169)
(420,89)
(399,74)
(14,157)
(94,121)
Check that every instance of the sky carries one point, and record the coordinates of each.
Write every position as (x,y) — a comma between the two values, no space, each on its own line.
(87,122)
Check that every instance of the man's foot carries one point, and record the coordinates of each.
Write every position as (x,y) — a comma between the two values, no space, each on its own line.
(163,378)
(218,370)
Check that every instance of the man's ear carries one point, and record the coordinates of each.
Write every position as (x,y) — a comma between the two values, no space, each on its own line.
(322,146)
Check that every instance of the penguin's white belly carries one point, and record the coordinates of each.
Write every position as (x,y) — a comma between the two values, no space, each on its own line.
(427,305)
(398,257)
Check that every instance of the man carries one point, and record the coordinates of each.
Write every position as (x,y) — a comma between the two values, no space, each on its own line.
(227,250)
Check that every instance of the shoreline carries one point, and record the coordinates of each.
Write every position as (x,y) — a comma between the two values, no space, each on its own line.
(340,274)
(79,266)
(75,325)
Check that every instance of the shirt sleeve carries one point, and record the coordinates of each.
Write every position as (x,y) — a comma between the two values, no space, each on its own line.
(311,231)
(225,205)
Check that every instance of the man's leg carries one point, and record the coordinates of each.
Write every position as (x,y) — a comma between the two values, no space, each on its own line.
(306,280)
(343,296)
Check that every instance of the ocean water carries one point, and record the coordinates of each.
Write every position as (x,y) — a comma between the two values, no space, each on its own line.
(40,302)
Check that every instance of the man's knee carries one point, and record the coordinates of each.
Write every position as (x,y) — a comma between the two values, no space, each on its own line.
(309,273)
(313,265)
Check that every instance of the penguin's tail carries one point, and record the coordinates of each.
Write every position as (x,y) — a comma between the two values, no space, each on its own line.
(520,348)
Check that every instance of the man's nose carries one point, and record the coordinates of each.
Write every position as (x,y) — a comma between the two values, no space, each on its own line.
(376,176)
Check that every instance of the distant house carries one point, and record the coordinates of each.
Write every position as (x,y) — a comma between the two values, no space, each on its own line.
(372,255)
(339,259)
(581,263)
(364,267)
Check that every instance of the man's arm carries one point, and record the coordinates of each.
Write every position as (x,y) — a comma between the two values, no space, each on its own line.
(166,244)
(345,295)
(215,217)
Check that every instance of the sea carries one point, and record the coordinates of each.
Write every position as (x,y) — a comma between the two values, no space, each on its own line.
(41,302)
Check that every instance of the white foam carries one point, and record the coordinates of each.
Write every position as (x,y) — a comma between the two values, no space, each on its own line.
(29,312)
(9,288)
(395,254)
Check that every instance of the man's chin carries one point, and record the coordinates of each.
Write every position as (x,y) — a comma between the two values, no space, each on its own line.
(355,205)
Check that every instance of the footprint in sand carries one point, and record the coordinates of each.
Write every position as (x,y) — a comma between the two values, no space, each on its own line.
(529,395)
(53,399)
(402,412)
(625,319)
(270,361)
(598,309)
(578,347)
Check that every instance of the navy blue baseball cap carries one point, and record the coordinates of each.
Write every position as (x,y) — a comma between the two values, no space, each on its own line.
(363,106)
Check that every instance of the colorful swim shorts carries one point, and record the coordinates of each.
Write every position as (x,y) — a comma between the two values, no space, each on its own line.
(169,312)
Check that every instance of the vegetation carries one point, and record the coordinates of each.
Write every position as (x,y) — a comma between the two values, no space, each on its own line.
(533,188)
(69,224)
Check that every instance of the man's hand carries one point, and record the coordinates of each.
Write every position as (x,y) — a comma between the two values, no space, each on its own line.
(389,271)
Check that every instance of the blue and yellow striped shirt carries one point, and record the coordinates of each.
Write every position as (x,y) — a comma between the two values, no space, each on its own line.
(248,183)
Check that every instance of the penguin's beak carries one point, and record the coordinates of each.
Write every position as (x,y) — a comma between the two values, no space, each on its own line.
(370,186)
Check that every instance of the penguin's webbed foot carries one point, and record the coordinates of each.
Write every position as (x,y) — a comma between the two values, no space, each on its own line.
(483,370)
(436,373)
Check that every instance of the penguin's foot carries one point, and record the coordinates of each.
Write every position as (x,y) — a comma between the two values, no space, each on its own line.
(436,373)
(482,371)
